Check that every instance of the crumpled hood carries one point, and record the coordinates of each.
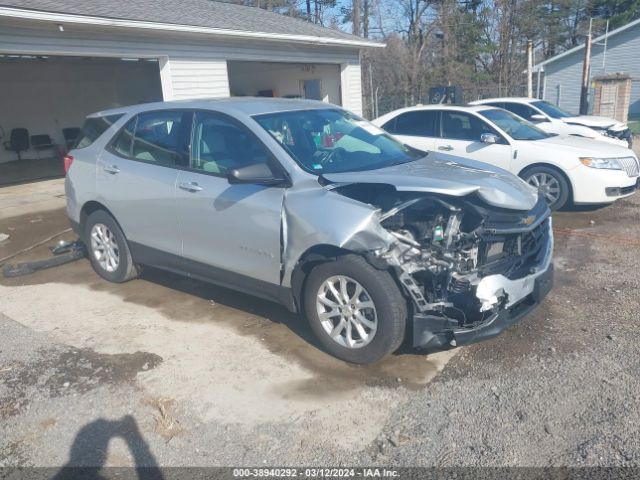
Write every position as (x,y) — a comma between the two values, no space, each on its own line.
(450,175)
(584,147)
(595,121)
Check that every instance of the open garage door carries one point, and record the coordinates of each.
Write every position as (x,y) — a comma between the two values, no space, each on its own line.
(287,80)
(46,98)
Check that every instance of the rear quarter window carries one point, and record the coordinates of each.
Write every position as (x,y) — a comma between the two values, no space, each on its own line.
(93,128)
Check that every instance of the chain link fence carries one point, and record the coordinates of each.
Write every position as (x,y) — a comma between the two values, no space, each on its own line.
(378,102)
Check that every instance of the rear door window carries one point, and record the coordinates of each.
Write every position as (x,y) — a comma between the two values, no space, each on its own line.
(520,109)
(93,128)
(159,137)
(463,126)
(421,123)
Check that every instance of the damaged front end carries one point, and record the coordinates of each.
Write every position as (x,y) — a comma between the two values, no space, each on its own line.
(470,269)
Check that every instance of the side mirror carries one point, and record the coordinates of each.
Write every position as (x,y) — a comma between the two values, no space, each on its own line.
(256,174)
(489,138)
(538,117)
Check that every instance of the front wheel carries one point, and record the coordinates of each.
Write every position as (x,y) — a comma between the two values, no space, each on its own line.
(549,183)
(356,311)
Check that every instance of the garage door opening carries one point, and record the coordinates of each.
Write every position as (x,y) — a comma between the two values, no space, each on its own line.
(46,98)
(286,80)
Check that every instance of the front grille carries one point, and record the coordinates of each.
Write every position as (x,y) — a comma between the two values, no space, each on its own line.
(630,165)
(521,252)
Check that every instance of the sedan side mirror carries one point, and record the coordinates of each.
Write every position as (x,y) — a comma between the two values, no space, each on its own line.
(256,174)
(489,138)
(538,117)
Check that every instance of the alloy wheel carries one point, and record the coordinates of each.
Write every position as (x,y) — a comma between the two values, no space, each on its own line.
(104,247)
(547,184)
(346,311)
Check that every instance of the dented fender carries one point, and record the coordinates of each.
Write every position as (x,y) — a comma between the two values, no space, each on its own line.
(318,216)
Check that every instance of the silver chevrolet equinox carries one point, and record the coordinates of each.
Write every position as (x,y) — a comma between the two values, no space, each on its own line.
(311,206)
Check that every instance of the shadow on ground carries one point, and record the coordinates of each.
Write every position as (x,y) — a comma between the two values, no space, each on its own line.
(89,451)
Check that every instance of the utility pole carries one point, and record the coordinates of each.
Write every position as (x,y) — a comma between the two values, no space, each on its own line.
(604,53)
(530,69)
(584,107)
(373,113)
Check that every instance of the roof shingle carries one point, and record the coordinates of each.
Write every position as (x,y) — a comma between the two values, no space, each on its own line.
(198,13)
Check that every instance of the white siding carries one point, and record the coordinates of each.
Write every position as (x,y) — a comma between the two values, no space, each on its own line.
(565,74)
(352,87)
(191,65)
(198,78)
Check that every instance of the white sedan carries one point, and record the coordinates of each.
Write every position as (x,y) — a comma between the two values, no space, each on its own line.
(553,119)
(562,168)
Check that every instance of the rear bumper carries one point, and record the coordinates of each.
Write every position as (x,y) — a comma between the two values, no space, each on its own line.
(434,333)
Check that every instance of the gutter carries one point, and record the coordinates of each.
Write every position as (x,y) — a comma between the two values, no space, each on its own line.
(63,18)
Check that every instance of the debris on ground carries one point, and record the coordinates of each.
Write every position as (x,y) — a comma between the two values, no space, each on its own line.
(75,252)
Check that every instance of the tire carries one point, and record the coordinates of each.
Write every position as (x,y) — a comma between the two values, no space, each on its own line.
(98,226)
(382,305)
(558,189)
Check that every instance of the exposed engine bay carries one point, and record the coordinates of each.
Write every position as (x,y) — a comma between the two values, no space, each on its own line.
(445,246)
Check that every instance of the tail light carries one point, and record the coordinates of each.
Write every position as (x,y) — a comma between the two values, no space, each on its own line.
(68,160)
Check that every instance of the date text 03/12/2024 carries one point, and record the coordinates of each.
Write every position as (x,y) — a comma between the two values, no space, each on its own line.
(315,473)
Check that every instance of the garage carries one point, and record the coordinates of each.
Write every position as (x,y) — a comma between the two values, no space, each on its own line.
(63,60)
(288,80)
(46,98)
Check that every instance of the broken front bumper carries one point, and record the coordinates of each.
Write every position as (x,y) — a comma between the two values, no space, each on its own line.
(433,332)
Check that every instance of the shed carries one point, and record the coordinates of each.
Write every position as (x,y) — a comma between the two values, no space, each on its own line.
(614,53)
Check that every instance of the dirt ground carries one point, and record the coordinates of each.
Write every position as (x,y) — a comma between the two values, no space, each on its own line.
(169,371)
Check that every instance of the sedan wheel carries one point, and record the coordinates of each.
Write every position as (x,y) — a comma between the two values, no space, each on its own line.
(347,313)
(550,183)
(547,185)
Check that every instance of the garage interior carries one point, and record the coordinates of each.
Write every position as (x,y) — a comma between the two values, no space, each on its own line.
(46,98)
(287,80)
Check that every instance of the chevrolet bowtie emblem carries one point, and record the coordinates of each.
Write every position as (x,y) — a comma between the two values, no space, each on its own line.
(529,220)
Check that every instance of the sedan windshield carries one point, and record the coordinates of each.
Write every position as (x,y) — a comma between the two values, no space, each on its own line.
(332,141)
(516,127)
(550,109)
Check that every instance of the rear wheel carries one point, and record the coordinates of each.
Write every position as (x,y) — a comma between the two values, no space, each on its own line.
(550,183)
(108,249)
(356,311)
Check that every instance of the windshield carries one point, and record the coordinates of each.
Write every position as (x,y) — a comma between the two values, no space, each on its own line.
(333,141)
(550,109)
(516,127)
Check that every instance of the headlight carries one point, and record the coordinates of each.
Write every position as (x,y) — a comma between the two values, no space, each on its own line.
(602,131)
(608,163)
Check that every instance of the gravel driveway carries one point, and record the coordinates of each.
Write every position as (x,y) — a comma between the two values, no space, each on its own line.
(168,371)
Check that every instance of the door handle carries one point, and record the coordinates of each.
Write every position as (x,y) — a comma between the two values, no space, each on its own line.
(112,169)
(190,187)
(446,148)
